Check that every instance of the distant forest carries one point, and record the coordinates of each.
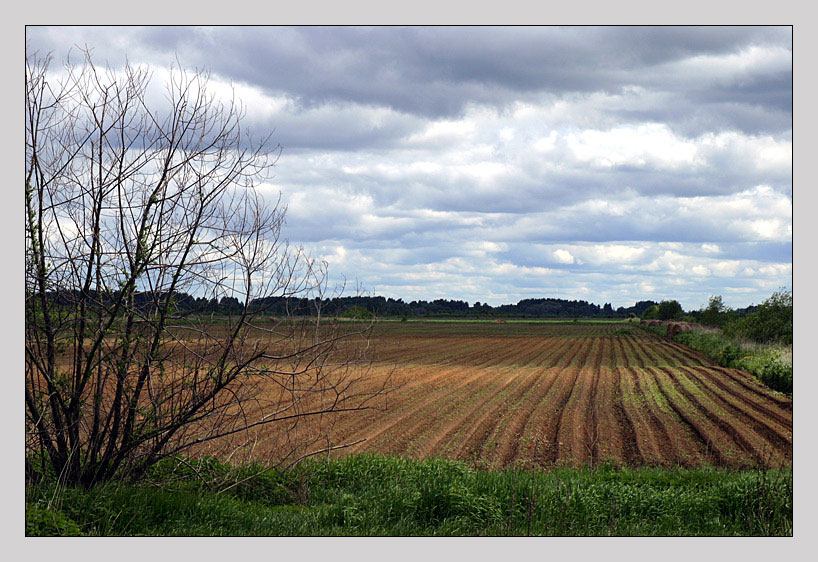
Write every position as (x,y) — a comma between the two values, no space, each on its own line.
(369,306)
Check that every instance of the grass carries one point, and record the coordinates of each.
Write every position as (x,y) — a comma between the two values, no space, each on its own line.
(377,495)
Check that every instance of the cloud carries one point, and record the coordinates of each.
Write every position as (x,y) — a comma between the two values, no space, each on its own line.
(435,72)
(563,256)
(612,164)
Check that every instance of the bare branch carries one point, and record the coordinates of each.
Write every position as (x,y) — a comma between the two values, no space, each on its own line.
(134,212)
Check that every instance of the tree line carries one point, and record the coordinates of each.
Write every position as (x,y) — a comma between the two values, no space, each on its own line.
(770,320)
(356,306)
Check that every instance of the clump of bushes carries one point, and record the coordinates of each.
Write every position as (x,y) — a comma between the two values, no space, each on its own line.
(358,313)
(669,310)
(651,313)
(665,310)
(769,368)
(770,322)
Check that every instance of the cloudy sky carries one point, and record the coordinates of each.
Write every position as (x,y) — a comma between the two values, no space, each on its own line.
(495,164)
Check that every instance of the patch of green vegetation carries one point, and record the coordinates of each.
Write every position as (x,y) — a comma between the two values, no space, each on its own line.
(44,520)
(376,495)
(770,322)
(658,396)
(358,313)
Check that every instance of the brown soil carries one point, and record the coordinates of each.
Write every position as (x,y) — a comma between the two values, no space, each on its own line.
(506,394)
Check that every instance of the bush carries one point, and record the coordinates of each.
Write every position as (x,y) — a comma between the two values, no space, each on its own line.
(669,310)
(770,322)
(358,313)
(769,368)
(777,376)
(729,354)
(651,313)
(716,314)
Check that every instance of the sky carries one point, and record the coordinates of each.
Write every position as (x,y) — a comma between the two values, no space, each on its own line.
(491,164)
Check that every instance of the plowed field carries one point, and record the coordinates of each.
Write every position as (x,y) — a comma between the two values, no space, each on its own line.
(544,394)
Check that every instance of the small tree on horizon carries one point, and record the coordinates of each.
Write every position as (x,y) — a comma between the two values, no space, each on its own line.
(716,312)
(651,313)
(669,310)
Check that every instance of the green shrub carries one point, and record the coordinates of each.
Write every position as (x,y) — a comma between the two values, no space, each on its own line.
(729,354)
(770,322)
(777,376)
(358,313)
(651,313)
(716,313)
(47,521)
(669,310)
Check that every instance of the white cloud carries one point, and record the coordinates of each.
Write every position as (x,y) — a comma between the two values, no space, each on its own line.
(563,256)
(649,144)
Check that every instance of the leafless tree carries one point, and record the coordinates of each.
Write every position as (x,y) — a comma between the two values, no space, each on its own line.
(128,209)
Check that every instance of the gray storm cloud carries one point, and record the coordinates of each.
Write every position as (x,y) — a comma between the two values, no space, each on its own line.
(493,164)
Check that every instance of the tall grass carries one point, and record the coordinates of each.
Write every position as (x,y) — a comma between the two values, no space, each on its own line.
(376,495)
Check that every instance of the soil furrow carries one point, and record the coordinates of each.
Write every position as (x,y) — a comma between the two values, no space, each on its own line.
(690,354)
(632,343)
(382,426)
(476,433)
(565,441)
(599,428)
(680,443)
(432,427)
(773,411)
(752,384)
(510,435)
(557,346)
(721,438)
(434,410)
(630,448)
(668,453)
(449,424)
(754,444)
(623,439)
(645,440)
(521,394)
(707,436)
(765,421)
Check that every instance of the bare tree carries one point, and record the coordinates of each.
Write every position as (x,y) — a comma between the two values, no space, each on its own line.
(131,209)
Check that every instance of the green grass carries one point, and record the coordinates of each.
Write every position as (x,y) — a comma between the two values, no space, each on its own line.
(376,495)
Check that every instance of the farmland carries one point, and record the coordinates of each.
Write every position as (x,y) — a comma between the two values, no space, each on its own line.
(518,428)
(544,394)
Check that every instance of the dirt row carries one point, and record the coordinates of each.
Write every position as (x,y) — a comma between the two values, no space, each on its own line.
(507,396)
